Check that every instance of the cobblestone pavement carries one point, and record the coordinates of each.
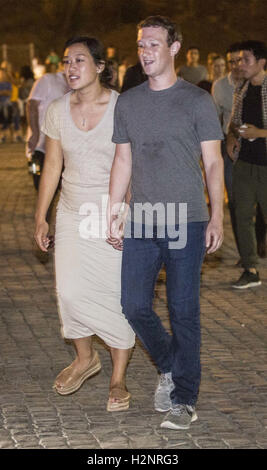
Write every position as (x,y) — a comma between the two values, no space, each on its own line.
(232,405)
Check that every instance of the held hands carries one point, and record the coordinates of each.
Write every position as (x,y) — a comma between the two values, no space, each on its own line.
(115,232)
(41,236)
(214,236)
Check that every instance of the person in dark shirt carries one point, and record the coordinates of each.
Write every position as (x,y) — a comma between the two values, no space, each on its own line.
(134,76)
(247,142)
(253,150)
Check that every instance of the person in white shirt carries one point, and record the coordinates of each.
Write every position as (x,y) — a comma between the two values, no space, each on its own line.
(223,88)
(223,92)
(38,68)
(48,88)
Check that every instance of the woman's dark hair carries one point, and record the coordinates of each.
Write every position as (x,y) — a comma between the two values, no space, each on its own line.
(97,52)
(173,30)
(26,72)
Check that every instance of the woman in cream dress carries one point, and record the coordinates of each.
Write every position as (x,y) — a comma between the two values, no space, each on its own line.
(79,129)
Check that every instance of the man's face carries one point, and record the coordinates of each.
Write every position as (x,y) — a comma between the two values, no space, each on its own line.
(250,66)
(192,56)
(155,55)
(233,62)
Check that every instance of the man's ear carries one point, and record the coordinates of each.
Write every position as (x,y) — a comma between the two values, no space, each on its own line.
(264,63)
(175,47)
(100,66)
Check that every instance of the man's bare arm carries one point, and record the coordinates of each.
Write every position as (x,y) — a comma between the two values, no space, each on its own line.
(213,165)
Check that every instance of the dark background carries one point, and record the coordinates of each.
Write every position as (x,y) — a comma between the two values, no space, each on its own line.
(210,24)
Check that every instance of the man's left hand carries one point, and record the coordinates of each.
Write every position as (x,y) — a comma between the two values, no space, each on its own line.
(214,236)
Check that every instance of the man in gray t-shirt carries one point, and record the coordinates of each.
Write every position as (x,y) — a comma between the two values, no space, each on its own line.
(166,155)
(161,128)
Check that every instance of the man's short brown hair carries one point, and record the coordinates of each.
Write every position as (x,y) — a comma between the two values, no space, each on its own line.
(173,30)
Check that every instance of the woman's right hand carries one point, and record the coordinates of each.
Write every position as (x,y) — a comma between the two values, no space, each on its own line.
(41,235)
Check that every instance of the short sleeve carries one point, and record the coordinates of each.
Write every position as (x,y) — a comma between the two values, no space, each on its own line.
(50,125)
(120,134)
(206,120)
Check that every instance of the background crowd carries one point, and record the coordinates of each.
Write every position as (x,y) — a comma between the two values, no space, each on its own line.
(15,85)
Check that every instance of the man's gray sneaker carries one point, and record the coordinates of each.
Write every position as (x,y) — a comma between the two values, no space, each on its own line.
(162,399)
(180,417)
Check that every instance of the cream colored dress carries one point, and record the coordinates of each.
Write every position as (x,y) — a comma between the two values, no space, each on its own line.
(88,269)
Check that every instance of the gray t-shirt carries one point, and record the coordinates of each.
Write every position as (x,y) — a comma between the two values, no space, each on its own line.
(193,74)
(165,129)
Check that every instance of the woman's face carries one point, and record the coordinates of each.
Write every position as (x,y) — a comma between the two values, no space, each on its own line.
(219,67)
(79,67)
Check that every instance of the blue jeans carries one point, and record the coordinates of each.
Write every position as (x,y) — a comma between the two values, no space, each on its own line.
(178,353)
